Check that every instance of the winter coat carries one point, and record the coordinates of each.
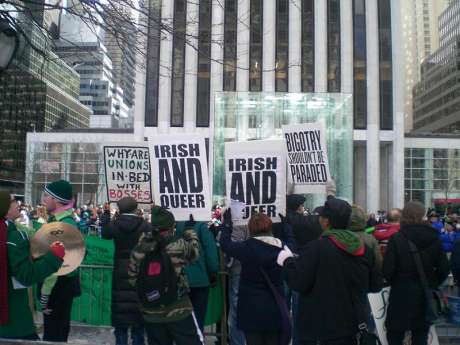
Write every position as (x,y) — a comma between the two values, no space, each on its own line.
(383,233)
(406,309)
(207,264)
(257,310)
(25,273)
(125,231)
(448,239)
(328,279)
(305,228)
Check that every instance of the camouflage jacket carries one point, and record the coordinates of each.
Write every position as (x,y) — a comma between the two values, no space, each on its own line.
(182,251)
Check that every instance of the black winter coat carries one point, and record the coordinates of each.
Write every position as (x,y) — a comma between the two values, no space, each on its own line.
(406,309)
(305,228)
(125,231)
(328,280)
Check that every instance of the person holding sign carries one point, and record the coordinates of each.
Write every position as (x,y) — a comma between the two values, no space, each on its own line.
(262,310)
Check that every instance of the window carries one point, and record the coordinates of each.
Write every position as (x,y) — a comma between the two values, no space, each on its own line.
(255,46)
(385,65)
(333,45)
(282,46)
(308,46)
(204,64)
(178,64)
(230,44)
(359,65)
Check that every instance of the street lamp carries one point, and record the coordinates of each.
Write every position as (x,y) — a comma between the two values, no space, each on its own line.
(9,43)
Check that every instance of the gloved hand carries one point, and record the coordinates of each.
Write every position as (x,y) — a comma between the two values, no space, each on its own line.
(44,304)
(283,255)
(57,249)
(227,217)
(213,279)
(283,218)
(191,222)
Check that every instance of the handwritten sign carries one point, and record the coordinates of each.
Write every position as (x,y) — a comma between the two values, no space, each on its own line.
(128,172)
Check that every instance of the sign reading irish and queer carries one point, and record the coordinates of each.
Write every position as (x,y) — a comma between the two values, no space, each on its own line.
(128,172)
(255,175)
(308,166)
(180,175)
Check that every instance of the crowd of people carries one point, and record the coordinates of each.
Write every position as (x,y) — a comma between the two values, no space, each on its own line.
(303,281)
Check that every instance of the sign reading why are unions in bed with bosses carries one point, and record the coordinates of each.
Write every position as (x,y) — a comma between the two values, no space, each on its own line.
(255,174)
(308,165)
(180,176)
(127,172)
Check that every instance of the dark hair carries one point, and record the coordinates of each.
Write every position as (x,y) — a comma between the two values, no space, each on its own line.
(259,224)
(413,213)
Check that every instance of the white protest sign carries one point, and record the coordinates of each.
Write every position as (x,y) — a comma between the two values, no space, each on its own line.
(255,174)
(128,172)
(379,307)
(306,152)
(180,176)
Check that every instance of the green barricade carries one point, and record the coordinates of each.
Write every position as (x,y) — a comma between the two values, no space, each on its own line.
(93,306)
(215,304)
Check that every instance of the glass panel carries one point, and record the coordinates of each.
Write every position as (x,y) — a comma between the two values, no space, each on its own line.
(333,45)
(230,34)
(282,45)
(359,65)
(308,46)
(386,68)
(255,46)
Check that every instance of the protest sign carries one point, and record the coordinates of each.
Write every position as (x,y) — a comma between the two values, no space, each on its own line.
(180,176)
(379,307)
(308,165)
(255,174)
(128,172)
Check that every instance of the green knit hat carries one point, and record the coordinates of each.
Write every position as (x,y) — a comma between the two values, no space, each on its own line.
(162,218)
(358,219)
(5,202)
(61,190)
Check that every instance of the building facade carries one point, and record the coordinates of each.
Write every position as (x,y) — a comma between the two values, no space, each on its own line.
(421,38)
(437,95)
(38,92)
(295,46)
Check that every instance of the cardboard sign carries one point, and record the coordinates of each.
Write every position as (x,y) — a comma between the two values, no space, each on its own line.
(379,307)
(128,172)
(180,175)
(255,174)
(308,166)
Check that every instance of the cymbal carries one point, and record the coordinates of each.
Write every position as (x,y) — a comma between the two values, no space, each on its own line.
(69,235)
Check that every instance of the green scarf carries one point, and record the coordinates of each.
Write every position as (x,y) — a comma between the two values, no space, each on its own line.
(346,240)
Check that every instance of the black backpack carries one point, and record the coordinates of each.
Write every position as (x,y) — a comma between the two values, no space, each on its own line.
(157,280)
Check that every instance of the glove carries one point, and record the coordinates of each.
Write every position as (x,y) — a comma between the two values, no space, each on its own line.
(283,218)
(44,304)
(227,217)
(57,249)
(283,255)
(191,222)
(213,279)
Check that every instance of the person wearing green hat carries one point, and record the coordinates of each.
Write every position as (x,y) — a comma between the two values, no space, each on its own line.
(173,320)
(57,293)
(18,272)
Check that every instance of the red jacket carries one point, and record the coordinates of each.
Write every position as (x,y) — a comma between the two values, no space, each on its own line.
(382,234)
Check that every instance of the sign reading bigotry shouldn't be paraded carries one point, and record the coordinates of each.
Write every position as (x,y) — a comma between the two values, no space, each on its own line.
(128,172)
(308,165)
(255,175)
(180,176)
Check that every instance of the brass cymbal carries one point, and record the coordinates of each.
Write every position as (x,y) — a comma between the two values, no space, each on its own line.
(69,235)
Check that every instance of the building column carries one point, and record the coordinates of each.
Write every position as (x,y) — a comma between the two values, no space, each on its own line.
(295,46)
(320,45)
(346,45)
(164,84)
(191,65)
(398,106)
(269,46)
(373,108)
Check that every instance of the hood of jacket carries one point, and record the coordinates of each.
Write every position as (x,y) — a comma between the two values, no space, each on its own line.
(422,235)
(128,223)
(273,241)
(346,241)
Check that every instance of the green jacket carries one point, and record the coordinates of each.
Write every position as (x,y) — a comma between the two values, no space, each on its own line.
(199,271)
(24,272)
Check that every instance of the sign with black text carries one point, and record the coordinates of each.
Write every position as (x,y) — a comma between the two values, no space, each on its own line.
(255,174)
(180,176)
(308,165)
(128,172)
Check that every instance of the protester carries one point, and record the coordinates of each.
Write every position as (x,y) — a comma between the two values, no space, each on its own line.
(435,222)
(383,232)
(448,235)
(18,272)
(455,264)
(125,231)
(261,285)
(333,275)
(57,293)
(203,272)
(407,303)
(173,321)
(358,226)
(306,228)
(372,221)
